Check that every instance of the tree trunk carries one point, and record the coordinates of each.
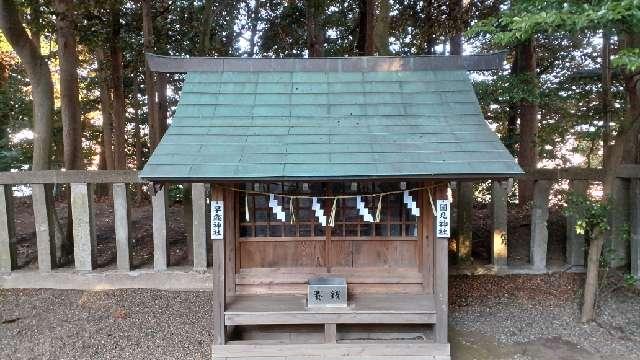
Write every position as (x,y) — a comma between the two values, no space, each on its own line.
(69,93)
(383,20)
(623,149)
(28,50)
(35,24)
(606,93)
(137,138)
(253,26)
(315,11)
(366,27)
(163,106)
(591,283)
(149,81)
(40,78)
(119,136)
(106,106)
(511,136)
(204,46)
(457,26)
(528,150)
(69,102)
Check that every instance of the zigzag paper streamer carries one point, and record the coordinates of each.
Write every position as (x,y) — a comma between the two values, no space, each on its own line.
(411,204)
(322,218)
(362,210)
(277,209)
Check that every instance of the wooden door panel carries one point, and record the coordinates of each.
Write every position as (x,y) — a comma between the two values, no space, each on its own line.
(276,254)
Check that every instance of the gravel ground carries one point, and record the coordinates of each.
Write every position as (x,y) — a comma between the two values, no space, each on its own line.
(542,311)
(510,317)
(122,324)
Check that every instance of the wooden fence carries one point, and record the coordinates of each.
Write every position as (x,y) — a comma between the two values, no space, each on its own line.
(82,183)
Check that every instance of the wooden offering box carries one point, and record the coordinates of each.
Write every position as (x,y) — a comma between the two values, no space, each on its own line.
(327,292)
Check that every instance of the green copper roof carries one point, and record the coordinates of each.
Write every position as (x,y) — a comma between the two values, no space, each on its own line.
(328,124)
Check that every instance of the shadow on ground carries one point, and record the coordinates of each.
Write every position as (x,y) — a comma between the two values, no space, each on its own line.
(468,345)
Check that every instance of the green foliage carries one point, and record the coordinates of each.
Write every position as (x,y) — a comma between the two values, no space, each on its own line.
(590,214)
(628,59)
(609,257)
(15,116)
(176,193)
(526,18)
(631,280)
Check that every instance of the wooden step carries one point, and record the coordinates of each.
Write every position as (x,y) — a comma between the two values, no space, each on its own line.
(362,309)
(333,351)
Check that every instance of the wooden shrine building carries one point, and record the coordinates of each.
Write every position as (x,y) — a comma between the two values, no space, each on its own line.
(328,167)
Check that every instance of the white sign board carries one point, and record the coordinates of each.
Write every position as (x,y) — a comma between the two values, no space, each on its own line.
(443,219)
(217,220)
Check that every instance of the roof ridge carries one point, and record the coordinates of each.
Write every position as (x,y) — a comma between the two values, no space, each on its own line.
(177,64)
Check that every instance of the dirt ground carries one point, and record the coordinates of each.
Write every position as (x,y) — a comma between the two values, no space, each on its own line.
(519,230)
(141,225)
(491,318)
(519,227)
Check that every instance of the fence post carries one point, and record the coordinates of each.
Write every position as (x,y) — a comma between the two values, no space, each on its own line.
(122,218)
(635,227)
(45,236)
(84,237)
(464,220)
(499,201)
(160,244)
(575,242)
(198,199)
(539,217)
(615,239)
(7,230)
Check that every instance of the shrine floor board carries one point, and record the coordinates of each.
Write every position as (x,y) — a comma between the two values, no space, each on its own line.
(362,309)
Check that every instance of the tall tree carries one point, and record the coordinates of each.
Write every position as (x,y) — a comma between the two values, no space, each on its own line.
(253,15)
(117,75)
(204,45)
(69,92)
(42,93)
(383,20)
(523,22)
(106,107)
(366,44)
(456,26)
(69,100)
(606,91)
(149,79)
(315,11)
(40,77)
(528,140)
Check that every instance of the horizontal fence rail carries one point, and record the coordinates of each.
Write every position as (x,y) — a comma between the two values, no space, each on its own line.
(81,186)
